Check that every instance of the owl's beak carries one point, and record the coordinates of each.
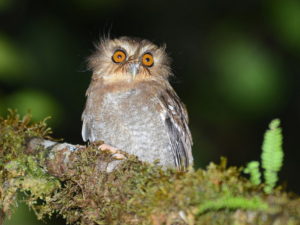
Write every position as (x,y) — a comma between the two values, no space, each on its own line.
(134,68)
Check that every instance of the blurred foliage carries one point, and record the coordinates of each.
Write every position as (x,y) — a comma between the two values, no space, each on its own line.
(96,4)
(285,17)
(38,103)
(249,78)
(13,62)
(21,212)
(6,4)
(23,215)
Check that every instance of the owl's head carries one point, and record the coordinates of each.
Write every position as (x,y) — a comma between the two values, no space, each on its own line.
(129,59)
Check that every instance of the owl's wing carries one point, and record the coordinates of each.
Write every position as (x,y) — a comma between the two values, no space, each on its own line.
(175,117)
(86,131)
(87,118)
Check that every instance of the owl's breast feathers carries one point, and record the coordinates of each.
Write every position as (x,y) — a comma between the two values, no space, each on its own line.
(167,120)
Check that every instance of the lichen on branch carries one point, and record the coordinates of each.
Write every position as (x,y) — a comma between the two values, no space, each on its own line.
(87,186)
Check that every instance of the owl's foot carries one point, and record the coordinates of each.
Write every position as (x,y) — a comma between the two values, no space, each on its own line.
(116,154)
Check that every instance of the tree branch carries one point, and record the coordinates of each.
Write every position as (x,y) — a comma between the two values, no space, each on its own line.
(87,186)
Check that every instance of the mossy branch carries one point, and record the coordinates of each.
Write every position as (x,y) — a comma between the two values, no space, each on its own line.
(86,186)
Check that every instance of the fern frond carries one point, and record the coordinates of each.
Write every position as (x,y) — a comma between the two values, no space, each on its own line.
(272,154)
(253,169)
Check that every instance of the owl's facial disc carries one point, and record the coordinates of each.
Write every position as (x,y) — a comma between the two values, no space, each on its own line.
(131,60)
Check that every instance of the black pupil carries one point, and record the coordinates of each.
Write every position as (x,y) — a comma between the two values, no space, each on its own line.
(119,56)
(147,59)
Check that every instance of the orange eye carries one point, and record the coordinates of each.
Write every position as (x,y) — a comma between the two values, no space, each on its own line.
(147,59)
(119,56)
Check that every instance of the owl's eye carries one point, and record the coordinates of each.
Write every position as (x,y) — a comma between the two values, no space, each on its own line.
(147,60)
(119,56)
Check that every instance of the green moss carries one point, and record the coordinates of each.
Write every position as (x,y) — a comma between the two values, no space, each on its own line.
(142,192)
(19,171)
(233,203)
(134,193)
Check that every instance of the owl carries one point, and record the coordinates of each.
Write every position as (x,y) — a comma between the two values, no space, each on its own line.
(131,105)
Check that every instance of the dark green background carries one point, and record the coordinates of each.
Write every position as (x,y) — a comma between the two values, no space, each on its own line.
(236,65)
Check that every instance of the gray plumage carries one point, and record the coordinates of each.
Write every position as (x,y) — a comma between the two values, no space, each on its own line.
(136,111)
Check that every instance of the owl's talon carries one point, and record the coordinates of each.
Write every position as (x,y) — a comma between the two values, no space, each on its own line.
(118,156)
(112,150)
(108,148)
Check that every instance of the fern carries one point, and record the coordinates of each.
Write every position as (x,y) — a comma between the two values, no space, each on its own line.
(272,155)
(253,169)
(232,203)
